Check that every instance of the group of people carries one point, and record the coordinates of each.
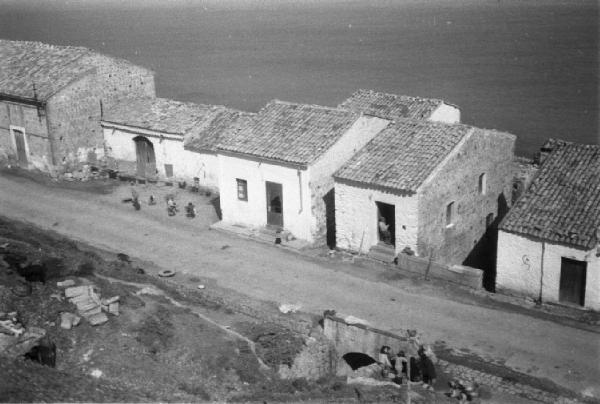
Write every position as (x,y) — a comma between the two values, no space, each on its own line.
(190,209)
(398,367)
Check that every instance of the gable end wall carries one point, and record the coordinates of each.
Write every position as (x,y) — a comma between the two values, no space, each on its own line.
(457,181)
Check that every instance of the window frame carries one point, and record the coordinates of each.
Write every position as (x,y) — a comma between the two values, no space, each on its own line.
(241,185)
(450,214)
(482,184)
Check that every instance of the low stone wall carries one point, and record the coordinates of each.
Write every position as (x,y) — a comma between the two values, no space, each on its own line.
(459,274)
(317,359)
(356,337)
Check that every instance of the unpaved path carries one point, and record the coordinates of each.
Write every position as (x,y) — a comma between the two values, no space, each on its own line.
(565,355)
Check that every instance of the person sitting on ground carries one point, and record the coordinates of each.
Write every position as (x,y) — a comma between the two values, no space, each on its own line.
(384,231)
(427,368)
(151,200)
(171,206)
(384,361)
(190,210)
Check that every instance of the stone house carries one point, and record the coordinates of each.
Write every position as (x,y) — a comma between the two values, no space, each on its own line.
(437,187)
(51,99)
(275,170)
(149,138)
(548,243)
(392,107)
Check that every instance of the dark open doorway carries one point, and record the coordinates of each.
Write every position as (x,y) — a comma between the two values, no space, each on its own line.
(329,200)
(21,149)
(386,216)
(572,281)
(146,161)
(274,204)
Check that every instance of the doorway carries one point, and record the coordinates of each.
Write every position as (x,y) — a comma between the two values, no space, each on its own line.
(572,281)
(146,162)
(21,147)
(386,212)
(274,204)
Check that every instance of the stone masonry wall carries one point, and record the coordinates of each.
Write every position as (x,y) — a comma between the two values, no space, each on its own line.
(362,338)
(33,123)
(74,112)
(483,152)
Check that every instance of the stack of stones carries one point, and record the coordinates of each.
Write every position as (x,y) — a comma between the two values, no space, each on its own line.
(90,306)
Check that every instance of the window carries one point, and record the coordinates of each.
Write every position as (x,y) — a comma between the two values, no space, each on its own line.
(450,214)
(482,184)
(242,189)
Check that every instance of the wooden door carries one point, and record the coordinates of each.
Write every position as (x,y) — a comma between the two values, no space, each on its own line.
(274,204)
(146,163)
(21,150)
(572,281)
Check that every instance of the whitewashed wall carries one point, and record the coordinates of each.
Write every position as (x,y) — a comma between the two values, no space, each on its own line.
(519,266)
(253,212)
(119,145)
(356,213)
(446,113)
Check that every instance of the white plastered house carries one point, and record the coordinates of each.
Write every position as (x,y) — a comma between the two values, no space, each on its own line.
(275,170)
(548,243)
(147,137)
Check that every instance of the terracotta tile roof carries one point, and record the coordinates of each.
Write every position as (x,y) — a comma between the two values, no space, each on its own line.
(159,114)
(562,204)
(390,106)
(224,122)
(49,67)
(403,155)
(289,132)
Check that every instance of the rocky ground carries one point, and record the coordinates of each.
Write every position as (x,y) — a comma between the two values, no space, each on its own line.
(196,350)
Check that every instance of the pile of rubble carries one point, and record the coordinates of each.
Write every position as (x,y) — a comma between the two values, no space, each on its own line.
(89,305)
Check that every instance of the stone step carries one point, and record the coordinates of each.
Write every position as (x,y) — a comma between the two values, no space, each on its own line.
(383,253)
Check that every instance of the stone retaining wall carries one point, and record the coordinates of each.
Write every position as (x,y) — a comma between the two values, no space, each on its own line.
(459,274)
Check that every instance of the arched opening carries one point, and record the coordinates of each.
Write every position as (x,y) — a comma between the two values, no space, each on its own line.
(146,162)
(358,359)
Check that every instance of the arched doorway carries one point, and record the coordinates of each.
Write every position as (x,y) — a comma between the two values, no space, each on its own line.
(146,162)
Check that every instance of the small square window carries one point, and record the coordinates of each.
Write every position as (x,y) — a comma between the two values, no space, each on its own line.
(450,214)
(482,184)
(242,189)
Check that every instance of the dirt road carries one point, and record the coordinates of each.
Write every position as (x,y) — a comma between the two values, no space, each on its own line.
(564,355)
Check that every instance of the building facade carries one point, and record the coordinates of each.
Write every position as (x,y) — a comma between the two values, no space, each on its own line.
(276,169)
(436,187)
(149,138)
(52,97)
(548,243)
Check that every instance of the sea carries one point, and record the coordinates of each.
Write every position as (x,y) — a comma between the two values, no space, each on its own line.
(529,67)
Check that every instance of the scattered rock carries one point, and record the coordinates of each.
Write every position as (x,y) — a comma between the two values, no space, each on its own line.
(65,284)
(286,308)
(69,320)
(97,373)
(355,320)
(201,286)
(97,319)
(77,291)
